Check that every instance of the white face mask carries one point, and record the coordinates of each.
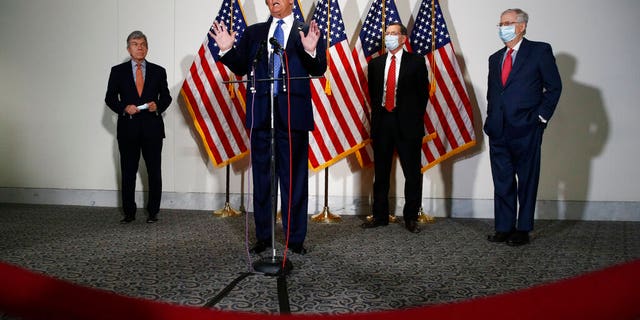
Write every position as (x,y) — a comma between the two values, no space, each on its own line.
(507,33)
(391,42)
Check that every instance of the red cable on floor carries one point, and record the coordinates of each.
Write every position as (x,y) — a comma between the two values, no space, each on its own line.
(286,244)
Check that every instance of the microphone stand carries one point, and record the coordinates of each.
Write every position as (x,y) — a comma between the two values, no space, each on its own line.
(274,265)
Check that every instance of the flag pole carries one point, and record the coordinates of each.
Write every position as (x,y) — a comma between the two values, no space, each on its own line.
(227,210)
(326,216)
(424,217)
(384,24)
(327,84)
(432,60)
(232,91)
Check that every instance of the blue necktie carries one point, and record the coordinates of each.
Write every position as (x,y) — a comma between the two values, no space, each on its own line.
(279,35)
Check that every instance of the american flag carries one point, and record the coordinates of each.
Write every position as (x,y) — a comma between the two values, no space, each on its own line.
(297,11)
(218,109)
(449,115)
(338,100)
(368,46)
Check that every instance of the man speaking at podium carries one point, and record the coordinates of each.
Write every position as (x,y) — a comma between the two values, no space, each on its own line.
(302,55)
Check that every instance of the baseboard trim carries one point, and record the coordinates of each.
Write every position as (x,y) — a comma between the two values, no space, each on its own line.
(341,205)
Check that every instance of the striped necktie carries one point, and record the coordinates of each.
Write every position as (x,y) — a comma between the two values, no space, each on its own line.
(277,64)
(390,97)
(139,79)
(506,66)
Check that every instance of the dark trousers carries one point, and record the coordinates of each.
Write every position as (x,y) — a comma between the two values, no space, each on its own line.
(130,149)
(515,166)
(408,150)
(299,182)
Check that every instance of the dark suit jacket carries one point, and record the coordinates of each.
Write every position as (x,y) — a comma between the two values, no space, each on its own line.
(121,91)
(533,88)
(412,94)
(240,60)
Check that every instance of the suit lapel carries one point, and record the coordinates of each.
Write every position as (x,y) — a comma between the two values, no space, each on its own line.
(148,75)
(497,61)
(404,65)
(263,32)
(521,57)
(383,63)
(496,64)
(294,34)
(132,76)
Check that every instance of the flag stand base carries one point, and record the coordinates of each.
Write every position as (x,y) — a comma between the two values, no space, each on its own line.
(326,216)
(227,211)
(425,217)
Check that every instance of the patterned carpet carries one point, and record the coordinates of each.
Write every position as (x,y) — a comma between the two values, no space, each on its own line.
(189,257)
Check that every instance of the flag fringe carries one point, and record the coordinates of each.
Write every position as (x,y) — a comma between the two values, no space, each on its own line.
(340,156)
(449,155)
(204,139)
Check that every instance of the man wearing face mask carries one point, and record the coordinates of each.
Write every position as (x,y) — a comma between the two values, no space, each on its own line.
(524,87)
(399,93)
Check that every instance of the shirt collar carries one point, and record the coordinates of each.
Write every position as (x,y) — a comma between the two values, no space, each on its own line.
(398,55)
(142,65)
(517,46)
(288,20)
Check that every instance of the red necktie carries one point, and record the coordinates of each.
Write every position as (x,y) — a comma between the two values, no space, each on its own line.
(389,99)
(506,67)
(139,79)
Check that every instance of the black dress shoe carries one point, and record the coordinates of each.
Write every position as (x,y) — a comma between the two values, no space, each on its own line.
(260,246)
(374,224)
(127,219)
(518,238)
(298,248)
(412,226)
(499,236)
(152,219)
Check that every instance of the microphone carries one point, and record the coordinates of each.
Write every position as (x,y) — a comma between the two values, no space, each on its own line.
(277,49)
(276,45)
(261,48)
(256,58)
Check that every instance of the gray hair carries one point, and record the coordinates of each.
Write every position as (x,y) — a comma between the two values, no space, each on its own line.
(521,16)
(136,35)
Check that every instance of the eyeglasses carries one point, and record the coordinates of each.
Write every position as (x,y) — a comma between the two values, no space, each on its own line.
(507,23)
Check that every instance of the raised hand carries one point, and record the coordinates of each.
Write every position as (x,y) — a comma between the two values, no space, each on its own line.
(310,41)
(221,35)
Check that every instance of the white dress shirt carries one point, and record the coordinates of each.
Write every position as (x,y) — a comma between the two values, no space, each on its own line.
(398,56)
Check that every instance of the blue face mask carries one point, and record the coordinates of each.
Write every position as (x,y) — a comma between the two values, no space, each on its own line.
(391,42)
(507,33)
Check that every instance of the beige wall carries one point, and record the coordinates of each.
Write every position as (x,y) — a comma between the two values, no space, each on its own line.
(57,133)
